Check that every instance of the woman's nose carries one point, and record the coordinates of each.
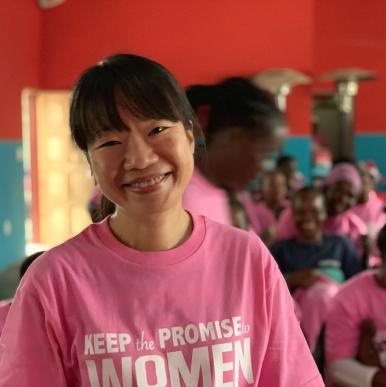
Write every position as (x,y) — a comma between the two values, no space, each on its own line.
(139,154)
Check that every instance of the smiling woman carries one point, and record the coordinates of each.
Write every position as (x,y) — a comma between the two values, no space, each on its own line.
(127,301)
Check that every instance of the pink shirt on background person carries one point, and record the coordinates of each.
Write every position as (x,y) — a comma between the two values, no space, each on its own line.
(372,213)
(349,225)
(359,298)
(204,198)
(286,227)
(212,311)
(264,217)
(4,309)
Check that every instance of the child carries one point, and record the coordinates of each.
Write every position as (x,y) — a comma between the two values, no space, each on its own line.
(266,212)
(288,165)
(242,127)
(342,188)
(356,328)
(151,295)
(314,262)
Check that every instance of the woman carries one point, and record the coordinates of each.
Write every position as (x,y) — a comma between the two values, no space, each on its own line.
(242,127)
(150,296)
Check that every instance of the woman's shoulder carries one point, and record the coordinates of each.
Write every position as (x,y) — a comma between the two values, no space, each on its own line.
(68,254)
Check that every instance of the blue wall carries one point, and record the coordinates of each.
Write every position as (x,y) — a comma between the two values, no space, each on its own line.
(12,209)
(372,147)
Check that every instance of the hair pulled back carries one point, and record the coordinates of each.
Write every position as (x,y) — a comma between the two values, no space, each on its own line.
(235,102)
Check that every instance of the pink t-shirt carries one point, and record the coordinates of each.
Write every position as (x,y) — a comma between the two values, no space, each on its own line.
(349,225)
(359,298)
(264,217)
(94,312)
(204,198)
(286,227)
(4,309)
(372,213)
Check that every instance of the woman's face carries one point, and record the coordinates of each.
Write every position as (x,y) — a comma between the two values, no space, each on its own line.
(340,197)
(145,169)
(236,156)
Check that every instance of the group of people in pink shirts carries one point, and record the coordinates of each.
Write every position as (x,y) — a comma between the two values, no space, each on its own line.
(185,278)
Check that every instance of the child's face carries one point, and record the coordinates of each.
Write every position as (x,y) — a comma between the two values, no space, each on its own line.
(309,214)
(274,187)
(145,169)
(341,196)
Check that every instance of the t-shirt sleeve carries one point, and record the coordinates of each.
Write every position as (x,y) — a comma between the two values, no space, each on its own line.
(287,350)
(342,329)
(29,347)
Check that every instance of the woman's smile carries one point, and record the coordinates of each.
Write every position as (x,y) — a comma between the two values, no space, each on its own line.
(147,184)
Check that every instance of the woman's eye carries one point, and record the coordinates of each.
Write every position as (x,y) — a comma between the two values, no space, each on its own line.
(157,130)
(109,143)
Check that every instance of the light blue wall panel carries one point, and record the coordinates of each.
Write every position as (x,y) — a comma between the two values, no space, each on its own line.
(12,209)
(372,147)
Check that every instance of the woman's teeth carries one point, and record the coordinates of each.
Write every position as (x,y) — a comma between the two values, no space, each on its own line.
(148,183)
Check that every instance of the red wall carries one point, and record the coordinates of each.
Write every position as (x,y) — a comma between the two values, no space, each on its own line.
(200,41)
(352,33)
(20,45)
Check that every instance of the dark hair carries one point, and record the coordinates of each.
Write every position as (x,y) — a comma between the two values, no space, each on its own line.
(306,191)
(27,263)
(283,159)
(146,88)
(235,102)
(381,241)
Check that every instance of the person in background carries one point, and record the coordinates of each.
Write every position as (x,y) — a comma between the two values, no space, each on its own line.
(356,328)
(370,208)
(152,295)
(242,127)
(288,165)
(314,262)
(5,306)
(343,187)
(266,212)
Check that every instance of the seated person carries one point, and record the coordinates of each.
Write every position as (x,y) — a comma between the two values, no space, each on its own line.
(288,165)
(266,212)
(370,207)
(5,306)
(313,262)
(356,328)
(343,187)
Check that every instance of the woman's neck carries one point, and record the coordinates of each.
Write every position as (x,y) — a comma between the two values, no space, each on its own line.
(309,240)
(155,232)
